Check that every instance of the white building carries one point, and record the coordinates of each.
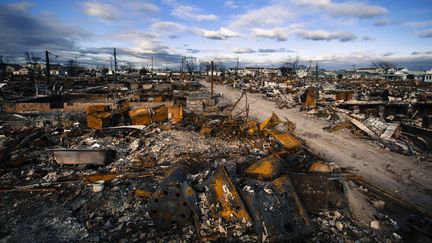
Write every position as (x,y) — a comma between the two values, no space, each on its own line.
(428,76)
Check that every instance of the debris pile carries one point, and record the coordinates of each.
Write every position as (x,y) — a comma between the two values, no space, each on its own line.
(172,163)
(396,115)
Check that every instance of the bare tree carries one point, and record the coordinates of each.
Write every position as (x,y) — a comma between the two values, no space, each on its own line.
(190,64)
(221,68)
(386,66)
(205,67)
(290,66)
(71,67)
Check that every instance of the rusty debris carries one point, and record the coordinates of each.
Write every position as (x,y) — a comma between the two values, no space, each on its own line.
(179,163)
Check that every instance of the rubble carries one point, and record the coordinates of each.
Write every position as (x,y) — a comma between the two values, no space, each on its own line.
(170,162)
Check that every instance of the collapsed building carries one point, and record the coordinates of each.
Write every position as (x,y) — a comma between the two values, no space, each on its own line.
(169,161)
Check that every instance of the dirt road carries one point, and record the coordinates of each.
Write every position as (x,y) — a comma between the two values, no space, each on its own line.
(404,176)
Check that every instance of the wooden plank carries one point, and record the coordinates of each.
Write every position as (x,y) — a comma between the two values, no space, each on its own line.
(362,127)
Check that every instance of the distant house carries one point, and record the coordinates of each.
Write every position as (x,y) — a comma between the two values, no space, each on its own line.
(368,73)
(428,76)
(416,75)
(22,71)
(58,70)
(256,71)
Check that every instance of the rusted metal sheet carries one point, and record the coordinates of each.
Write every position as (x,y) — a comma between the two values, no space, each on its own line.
(83,156)
(270,122)
(98,116)
(320,167)
(267,168)
(230,204)
(160,114)
(278,214)
(141,116)
(311,97)
(142,193)
(97,108)
(171,203)
(225,208)
(145,115)
(158,99)
(288,141)
(175,113)
(321,191)
(250,127)
(99,120)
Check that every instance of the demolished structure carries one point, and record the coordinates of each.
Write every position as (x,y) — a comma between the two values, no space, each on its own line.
(168,161)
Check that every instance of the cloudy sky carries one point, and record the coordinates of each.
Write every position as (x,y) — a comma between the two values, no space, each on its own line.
(337,33)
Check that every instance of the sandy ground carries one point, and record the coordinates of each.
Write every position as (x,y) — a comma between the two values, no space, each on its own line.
(404,176)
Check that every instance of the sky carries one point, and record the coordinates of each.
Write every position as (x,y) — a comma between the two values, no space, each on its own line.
(335,33)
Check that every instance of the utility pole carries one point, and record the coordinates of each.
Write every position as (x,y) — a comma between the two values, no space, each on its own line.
(151,73)
(115,65)
(182,63)
(237,68)
(212,85)
(316,71)
(111,64)
(47,66)
(76,66)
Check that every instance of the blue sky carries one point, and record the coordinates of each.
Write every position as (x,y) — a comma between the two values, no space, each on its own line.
(335,33)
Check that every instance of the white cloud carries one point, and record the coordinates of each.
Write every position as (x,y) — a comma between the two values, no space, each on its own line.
(421,53)
(425,34)
(192,13)
(101,10)
(140,6)
(349,9)
(270,50)
(387,54)
(322,35)
(230,4)
(367,38)
(418,24)
(21,5)
(243,50)
(167,26)
(144,42)
(220,34)
(272,15)
(384,22)
(280,34)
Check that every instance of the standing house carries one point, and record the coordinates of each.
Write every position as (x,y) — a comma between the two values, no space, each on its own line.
(428,76)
